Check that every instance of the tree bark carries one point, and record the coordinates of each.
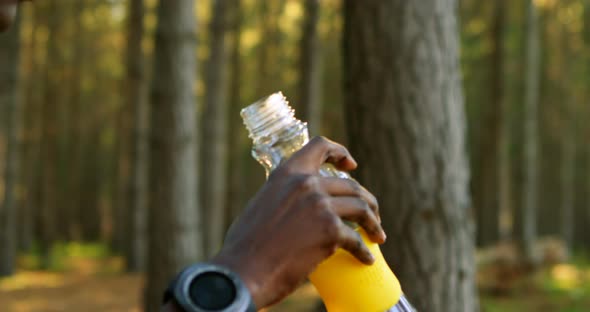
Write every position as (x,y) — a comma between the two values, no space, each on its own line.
(526,219)
(491,183)
(9,106)
(268,47)
(586,207)
(76,143)
(237,136)
(89,200)
(136,183)
(404,110)
(215,132)
(48,149)
(29,173)
(174,213)
(568,141)
(587,44)
(504,181)
(310,69)
(567,188)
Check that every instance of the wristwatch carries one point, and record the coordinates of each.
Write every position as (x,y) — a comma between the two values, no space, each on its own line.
(206,287)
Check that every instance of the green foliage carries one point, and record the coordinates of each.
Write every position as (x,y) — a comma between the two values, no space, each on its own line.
(63,255)
(561,288)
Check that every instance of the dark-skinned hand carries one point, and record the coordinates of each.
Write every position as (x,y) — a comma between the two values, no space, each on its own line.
(295,221)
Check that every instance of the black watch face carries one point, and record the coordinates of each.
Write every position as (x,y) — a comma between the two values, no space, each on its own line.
(212,291)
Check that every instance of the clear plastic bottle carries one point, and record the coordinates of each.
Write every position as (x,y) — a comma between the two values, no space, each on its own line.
(344,283)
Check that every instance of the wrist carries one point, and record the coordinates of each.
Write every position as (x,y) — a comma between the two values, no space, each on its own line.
(208,286)
(251,278)
(171,306)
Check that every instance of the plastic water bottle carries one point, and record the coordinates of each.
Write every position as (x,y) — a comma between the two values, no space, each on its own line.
(344,283)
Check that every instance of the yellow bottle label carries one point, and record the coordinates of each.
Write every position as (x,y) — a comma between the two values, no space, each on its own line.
(347,285)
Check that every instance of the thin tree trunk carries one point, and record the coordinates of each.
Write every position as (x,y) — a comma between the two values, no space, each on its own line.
(29,172)
(137,185)
(587,204)
(504,181)
(215,131)
(568,142)
(237,137)
(174,214)
(492,201)
(9,106)
(68,73)
(122,173)
(568,152)
(406,124)
(49,135)
(268,75)
(40,227)
(587,45)
(89,205)
(310,68)
(526,232)
(124,229)
(76,125)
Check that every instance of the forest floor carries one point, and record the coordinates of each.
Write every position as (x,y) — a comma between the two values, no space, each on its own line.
(94,283)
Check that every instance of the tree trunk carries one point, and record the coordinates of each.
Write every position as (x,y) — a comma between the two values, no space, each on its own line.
(48,152)
(526,219)
(404,109)
(174,213)
(268,74)
(137,181)
(492,183)
(76,144)
(215,130)
(504,186)
(9,106)
(310,69)
(237,136)
(587,204)
(587,44)
(31,120)
(89,200)
(568,140)
(568,152)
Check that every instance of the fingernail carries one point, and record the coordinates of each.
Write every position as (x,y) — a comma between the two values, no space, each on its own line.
(383,236)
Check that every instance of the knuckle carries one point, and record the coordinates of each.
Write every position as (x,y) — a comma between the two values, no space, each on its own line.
(320,140)
(329,249)
(355,187)
(321,202)
(307,183)
(354,245)
(358,243)
(365,213)
(332,229)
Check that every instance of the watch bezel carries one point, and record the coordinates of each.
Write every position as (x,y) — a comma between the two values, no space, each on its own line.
(181,291)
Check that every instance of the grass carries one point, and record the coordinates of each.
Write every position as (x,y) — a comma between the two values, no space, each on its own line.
(83,275)
(70,256)
(560,288)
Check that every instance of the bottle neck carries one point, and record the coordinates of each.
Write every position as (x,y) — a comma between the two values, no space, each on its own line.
(271,156)
(274,130)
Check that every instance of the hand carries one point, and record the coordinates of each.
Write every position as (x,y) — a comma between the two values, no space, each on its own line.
(295,221)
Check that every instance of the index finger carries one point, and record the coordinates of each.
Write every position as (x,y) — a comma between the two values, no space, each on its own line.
(319,151)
